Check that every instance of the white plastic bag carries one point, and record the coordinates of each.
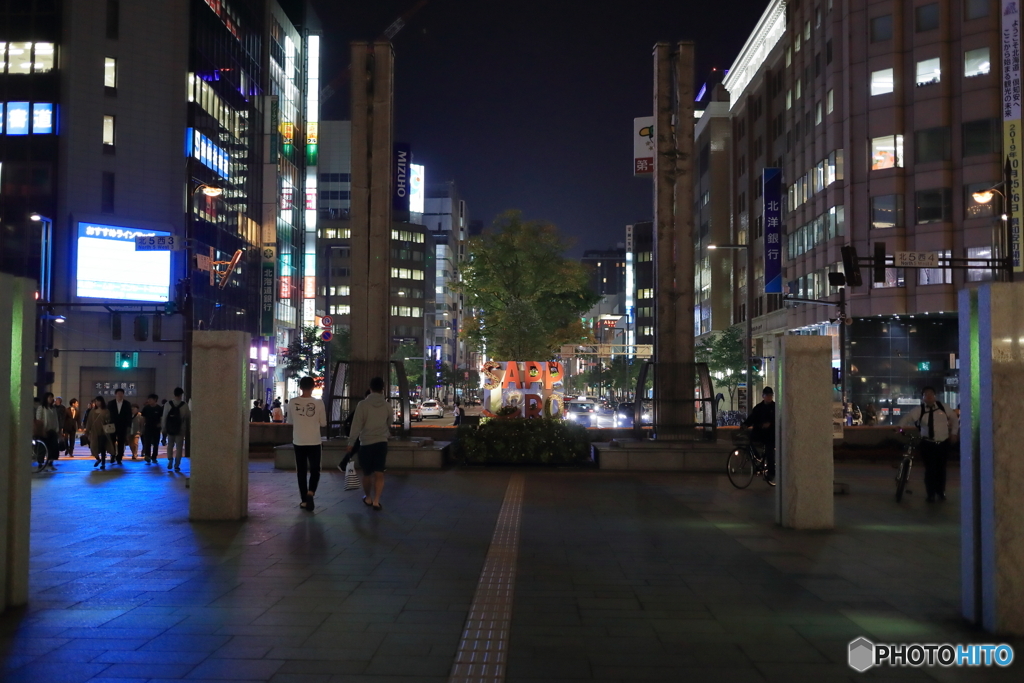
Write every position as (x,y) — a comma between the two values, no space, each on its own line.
(351,478)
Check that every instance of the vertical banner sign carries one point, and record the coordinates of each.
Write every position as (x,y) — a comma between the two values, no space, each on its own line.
(400,183)
(269,257)
(1012,125)
(772,231)
(643,146)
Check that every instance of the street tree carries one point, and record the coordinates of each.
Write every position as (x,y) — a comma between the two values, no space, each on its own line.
(726,359)
(305,355)
(525,295)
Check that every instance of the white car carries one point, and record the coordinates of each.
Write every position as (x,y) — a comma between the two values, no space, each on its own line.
(431,409)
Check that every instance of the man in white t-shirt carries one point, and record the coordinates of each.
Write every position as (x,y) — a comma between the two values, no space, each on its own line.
(371,427)
(307,415)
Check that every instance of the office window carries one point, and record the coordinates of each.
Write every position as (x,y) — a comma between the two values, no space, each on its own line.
(829,101)
(817,113)
(887,211)
(976,62)
(43,58)
(113,18)
(976,9)
(981,137)
(19,58)
(887,152)
(881,28)
(976,209)
(109,72)
(789,56)
(936,276)
(894,277)
(932,144)
(789,99)
(107,193)
(979,273)
(828,51)
(807,30)
(882,81)
(927,17)
(928,71)
(799,89)
(934,206)
(108,130)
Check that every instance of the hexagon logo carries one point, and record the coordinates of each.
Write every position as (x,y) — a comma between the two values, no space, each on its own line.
(862,654)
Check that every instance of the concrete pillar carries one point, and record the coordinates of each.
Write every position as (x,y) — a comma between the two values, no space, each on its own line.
(219,483)
(674,379)
(803,434)
(370,212)
(17,341)
(991,467)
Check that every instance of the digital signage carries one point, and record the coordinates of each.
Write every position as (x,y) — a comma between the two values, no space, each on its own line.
(42,118)
(17,118)
(416,181)
(108,267)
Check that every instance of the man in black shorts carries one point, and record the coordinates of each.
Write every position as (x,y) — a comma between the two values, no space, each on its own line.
(371,426)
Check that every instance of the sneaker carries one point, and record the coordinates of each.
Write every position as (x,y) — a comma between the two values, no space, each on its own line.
(170,464)
(177,469)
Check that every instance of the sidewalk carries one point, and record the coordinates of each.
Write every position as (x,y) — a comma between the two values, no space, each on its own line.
(620,577)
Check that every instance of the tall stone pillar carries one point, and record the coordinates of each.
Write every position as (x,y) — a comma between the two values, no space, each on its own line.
(219,483)
(17,341)
(991,467)
(803,434)
(674,378)
(370,212)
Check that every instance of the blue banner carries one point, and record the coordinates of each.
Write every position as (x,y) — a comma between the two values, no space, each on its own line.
(772,230)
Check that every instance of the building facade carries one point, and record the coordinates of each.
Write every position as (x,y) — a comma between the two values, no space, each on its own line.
(444,214)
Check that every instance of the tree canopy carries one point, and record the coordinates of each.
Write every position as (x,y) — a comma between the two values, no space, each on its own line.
(305,355)
(524,295)
(723,352)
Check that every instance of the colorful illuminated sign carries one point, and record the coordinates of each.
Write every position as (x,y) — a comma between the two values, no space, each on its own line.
(534,387)
(417,180)
(139,276)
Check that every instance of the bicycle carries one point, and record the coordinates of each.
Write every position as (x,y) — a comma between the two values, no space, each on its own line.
(746,460)
(40,453)
(903,469)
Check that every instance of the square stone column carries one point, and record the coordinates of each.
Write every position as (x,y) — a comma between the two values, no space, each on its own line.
(17,344)
(803,434)
(991,466)
(219,484)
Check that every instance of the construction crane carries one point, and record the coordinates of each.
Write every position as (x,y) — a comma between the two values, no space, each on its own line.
(389,33)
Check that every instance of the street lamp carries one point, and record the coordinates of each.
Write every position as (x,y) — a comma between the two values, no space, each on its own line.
(984,197)
(45,293)
(188,303)
(749,249)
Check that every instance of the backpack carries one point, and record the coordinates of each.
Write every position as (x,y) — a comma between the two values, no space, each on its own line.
(173,423)
(924,408)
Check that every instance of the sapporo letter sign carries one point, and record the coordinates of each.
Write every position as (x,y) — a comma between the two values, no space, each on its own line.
(158,243)
(772,231)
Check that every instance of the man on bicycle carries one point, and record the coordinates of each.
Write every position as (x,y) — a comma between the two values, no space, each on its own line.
(762,420)
(939,429)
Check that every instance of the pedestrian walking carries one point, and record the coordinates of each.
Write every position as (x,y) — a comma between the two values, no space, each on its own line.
(121,417)
(97,422)
(762,419)
(175,419)
(277,413)
(371,426)
(49,431)
(135,434)
(307,417)
(939,429)
(70,427)
(152,416)
(163,407)
(62,411)
(266,412)
(256,414)
(460,413)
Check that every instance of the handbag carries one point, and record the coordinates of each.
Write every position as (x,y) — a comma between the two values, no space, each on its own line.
(84,440)
(109,428)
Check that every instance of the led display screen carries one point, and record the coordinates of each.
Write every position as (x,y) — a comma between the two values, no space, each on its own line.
(17,118)
(416,183)
(42,118)
(108,266)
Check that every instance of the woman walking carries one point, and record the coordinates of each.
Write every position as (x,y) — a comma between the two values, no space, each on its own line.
(71,424)
(138,424)
(94,430)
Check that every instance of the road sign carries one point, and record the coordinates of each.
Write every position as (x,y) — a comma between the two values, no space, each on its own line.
(917,259)
(158,243)
(326,335)
(204,263)
(326,321)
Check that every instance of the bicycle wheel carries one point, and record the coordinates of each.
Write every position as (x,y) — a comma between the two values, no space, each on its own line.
(901,478)
(740,468)
(40,454)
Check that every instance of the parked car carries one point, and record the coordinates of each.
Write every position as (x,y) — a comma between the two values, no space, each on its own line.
(431,408)
(582,412)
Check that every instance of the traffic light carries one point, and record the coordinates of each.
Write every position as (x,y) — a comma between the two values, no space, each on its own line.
(878,267)
(851,267)
(141,328)
(115,326)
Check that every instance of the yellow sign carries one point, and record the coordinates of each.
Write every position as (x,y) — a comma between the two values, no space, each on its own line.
(312,133)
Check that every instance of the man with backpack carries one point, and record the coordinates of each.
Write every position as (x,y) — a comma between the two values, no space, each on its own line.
(176,415)
(939,429)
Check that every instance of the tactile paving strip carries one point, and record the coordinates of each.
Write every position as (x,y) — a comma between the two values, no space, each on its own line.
(484,647)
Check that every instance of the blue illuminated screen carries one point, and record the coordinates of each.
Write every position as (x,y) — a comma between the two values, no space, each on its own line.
(17,118)
(110,268)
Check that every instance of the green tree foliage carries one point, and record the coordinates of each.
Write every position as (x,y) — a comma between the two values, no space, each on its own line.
(305,355)
(723,352)
(526,295)
(413,366)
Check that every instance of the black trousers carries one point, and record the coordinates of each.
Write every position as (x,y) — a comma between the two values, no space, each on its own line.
(769,456)
(307,461)
(118,440)
(150,443)
(935,456)
(51,440)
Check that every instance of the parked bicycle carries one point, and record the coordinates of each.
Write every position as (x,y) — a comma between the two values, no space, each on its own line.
(40,453)
(903,469)
(746,460)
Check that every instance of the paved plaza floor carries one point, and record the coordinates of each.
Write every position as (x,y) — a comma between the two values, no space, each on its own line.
(618,577)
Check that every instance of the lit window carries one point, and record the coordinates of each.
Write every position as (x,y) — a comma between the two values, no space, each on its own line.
(887,152)
(979,273)
(43,58)
(19,58)
(830,101)
(789,99)
(110,72)
(881,81)
(108,130)
(799,89)
(817,113)
(976,62)
(928,71)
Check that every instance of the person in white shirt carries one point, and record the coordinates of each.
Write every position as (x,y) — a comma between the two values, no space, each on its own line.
(939,429)
(371,426)
(307,416)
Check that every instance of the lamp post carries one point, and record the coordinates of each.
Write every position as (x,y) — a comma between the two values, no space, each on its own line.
(749,305)
(45,295)
(188,302)
(984,197)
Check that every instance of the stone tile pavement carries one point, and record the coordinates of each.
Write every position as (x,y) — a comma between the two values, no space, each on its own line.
(621,577)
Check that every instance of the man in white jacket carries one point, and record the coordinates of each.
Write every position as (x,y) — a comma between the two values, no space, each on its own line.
(371,425)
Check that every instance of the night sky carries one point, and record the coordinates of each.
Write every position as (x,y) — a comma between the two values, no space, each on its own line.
(529,104)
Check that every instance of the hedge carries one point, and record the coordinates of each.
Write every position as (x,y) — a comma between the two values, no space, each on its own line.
(521,441)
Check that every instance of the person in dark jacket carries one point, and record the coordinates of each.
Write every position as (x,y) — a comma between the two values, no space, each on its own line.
(152,414)
(121,416)
(762,422)
(256,414)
